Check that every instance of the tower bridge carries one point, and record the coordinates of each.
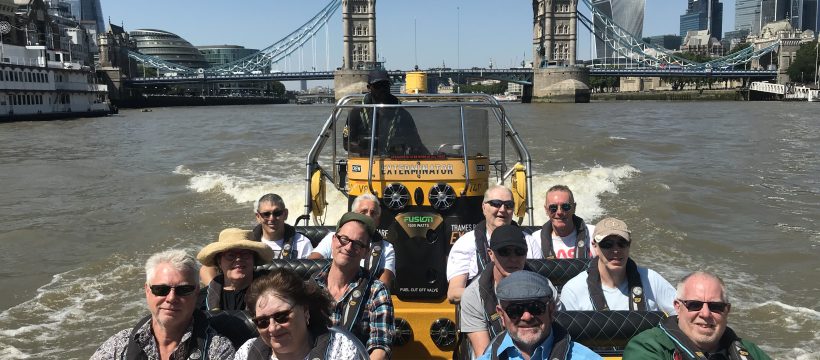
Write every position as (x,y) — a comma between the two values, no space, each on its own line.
(556,74)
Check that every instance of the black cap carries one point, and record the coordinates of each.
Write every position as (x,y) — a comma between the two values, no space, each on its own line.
(524,285)
(507,235)
(377,75)
(365,220)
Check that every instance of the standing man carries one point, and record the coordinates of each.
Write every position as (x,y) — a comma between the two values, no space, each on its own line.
(564,235)
(286,243)
(381,261)
(361,304)
(175,329)
(699,331)
(613,280)
(527,308)
(396,133)
(479,319)
(468,256)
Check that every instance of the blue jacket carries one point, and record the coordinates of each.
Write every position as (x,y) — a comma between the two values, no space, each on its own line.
(577,351)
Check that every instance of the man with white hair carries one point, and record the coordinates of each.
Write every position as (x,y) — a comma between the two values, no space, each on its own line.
(381,262)
(175,329)
(468,256)
(699,331)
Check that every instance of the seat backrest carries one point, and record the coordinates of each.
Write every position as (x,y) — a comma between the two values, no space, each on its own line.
(304,267)
(607,332)
(315,233)
(236,325)
(559,271)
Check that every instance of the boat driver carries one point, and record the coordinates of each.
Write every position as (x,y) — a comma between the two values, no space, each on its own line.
(397,133)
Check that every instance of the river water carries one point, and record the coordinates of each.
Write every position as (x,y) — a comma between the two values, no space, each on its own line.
(730,187)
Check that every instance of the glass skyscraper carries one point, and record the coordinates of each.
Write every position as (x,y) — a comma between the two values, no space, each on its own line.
(747,15)
(703,15)
(628,14)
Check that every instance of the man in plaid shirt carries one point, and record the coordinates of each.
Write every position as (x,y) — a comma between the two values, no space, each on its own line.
(361,304)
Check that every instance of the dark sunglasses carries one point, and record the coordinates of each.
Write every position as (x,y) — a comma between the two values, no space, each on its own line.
(696,305)
(179,290)
(344,240)
(608,244)
(280,318)
(516,310)
(510,251)
(497,203)
(276,213)
(565,206)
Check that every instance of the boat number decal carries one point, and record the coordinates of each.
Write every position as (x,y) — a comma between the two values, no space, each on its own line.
(481,167)
(356,168)
(474,187)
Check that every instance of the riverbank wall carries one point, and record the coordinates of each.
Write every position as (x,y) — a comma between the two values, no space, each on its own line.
(683,95)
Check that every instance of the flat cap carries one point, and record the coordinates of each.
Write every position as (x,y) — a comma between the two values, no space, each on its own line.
(524,285)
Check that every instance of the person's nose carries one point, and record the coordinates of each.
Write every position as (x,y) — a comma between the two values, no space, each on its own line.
(704,311)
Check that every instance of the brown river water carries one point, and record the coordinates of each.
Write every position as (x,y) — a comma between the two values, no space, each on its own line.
(731,187)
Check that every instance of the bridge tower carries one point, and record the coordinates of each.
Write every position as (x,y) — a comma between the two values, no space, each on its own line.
(556,76)
(359,53)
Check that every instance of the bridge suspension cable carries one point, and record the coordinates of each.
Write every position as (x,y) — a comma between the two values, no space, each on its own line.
(262,60)
(628,46)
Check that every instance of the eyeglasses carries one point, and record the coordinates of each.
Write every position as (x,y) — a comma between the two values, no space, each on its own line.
(565,206)
(497,203)
(510,251)
(240,254)
(276,213)
(697,305)
(179,290)
(516,310)
(608,244)
(344,240)
(281,318)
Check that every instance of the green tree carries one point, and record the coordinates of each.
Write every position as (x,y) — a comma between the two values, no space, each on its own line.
(805,63)
(277,89)
(739,47)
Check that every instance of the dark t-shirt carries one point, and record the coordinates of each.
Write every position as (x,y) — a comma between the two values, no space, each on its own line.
(233,299)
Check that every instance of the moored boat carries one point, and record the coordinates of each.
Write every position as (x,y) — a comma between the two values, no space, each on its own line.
(34,87)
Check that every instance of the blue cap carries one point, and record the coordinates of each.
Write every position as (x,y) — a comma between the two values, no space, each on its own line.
(523,285)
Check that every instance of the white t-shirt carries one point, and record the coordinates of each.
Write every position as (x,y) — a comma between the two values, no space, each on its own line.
(659,294)
(462,259)
(388,261)
(303,246)
(564,247)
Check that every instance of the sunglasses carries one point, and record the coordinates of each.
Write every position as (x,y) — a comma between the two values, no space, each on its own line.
(696,305)
(497,203)
(179,290)
(565,206)
(510,251)
(516,310)
(608,244)
(281,318)
(344,240)
(276,213)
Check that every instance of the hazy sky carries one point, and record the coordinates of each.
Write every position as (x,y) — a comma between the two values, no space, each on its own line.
(462,33)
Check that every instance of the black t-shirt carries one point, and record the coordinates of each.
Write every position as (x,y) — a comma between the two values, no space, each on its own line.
(233,299)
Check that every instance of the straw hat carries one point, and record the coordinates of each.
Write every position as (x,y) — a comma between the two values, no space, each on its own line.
(234,238)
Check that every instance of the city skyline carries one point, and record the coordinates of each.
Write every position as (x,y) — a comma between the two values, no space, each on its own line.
(457,33)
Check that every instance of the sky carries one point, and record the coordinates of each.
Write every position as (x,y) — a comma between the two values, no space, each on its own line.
(427,33)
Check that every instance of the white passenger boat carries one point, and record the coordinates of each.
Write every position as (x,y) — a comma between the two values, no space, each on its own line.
(38,84)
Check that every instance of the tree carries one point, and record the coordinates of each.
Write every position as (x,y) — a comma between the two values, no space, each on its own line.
(739,47)
(805,63)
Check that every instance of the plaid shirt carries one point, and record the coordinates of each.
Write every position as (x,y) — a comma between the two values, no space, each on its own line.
(114,348)
(375,323)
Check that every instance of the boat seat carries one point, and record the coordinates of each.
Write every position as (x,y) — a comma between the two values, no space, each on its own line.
(607,332)
(315,233)
(236,325)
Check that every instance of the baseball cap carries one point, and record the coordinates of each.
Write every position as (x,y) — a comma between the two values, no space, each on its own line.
(377,75)
(524,285)
(369,226)
(507,235)
(611,226)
